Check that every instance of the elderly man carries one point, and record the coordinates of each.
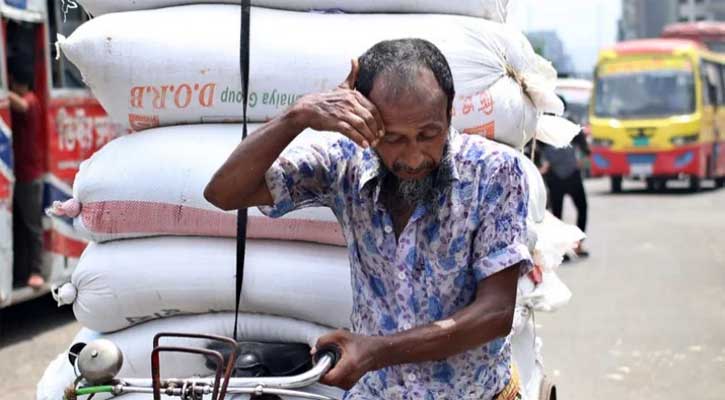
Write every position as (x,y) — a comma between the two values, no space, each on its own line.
(434,221)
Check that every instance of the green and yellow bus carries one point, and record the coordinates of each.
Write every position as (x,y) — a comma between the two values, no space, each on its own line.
(658,113)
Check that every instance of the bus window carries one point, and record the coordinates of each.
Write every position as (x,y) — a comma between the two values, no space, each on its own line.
(715,78)
(721,67)
(20,49)
(65,74)
(711,85)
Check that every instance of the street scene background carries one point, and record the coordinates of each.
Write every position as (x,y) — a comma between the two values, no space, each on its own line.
(647,313)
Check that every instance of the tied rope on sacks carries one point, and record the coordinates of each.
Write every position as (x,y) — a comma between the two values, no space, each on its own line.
(244,31)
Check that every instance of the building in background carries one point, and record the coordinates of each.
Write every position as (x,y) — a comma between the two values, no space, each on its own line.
(646,18)
(700,10)
(550,46)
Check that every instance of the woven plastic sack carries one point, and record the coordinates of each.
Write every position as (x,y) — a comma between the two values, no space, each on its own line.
(503,87)
(118,195)
(196,275)
(495,10)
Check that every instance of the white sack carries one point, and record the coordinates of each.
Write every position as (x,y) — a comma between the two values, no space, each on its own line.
(495,10)
(136,345)
(555,239)
(537,190)
(124,283)
(184,71)
(119,195)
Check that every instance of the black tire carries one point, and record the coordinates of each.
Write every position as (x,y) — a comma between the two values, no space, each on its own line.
(547,390)
(695,184)
(656,184)
(615,183)
(720,182)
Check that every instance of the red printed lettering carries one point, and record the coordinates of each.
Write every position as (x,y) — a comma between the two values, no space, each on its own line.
(137,96)
(159,100)
(206,95)
(467,105)
(185,91)
(486,103)
(487,130)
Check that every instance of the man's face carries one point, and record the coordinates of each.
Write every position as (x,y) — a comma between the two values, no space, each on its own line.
(416,125)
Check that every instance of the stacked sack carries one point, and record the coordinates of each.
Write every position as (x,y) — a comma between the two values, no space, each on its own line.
(162,258)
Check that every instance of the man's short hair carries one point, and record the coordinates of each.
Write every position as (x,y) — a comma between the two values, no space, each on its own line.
(405,56)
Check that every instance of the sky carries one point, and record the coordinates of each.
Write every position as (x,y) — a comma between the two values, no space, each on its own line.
(584,26)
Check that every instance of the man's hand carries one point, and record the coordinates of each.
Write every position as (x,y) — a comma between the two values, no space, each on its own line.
(357,357)
(342,110)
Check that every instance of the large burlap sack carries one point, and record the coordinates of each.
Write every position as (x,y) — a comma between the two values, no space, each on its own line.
(136,345)
(495,10)
(117,195)
(186,69)
(124,283)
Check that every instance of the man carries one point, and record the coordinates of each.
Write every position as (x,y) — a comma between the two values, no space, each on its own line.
(434,220)
(561,168)
(28,195)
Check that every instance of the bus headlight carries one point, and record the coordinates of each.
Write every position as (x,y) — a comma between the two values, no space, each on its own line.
(601,142)
(685,140)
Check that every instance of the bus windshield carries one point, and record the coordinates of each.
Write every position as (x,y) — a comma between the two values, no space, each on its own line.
(628,94)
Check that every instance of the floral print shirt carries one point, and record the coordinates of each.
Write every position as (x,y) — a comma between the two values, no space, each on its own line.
(432,269)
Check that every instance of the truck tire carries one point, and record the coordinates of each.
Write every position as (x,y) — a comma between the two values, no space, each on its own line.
(695,184)
(656,184)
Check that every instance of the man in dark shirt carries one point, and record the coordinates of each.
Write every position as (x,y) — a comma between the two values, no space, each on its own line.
(562,171)
(28,194)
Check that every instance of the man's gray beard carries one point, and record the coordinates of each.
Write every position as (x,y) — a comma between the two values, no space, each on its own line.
(426,191)
(418,191)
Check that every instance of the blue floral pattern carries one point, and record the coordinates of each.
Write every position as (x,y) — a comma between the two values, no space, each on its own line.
(431,271)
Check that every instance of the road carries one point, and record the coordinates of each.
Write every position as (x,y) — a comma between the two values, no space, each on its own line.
(647,319)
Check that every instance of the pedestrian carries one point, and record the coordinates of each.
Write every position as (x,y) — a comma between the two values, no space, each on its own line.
(26,119)
(435,223)
(562,171)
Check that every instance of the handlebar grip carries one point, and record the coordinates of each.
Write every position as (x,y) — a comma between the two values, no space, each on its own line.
(331,350)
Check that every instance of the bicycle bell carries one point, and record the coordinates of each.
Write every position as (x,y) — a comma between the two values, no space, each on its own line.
(99,361)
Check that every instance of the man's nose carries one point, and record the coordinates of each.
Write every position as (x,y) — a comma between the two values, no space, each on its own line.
(413,160)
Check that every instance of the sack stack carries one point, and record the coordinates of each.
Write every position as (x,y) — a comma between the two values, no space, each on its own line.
(162,258)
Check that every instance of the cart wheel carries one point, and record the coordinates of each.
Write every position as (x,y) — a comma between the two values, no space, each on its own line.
(547,390)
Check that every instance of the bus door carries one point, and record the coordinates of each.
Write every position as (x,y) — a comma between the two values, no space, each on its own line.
(713,118)
(6,183)
(77,127)
(24,51)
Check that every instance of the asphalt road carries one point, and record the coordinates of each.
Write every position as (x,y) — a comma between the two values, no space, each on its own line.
(647,319)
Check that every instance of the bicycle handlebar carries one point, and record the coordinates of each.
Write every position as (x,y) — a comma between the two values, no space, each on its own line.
(325,361)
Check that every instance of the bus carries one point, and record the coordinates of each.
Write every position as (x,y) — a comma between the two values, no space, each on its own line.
(710,33)
(74,126)
(657,113)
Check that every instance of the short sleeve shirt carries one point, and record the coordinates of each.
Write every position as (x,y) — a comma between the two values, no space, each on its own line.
(432,269)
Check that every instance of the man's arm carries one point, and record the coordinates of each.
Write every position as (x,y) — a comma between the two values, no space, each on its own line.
(500,258)
(240,182)
(489,317)
(17,103)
